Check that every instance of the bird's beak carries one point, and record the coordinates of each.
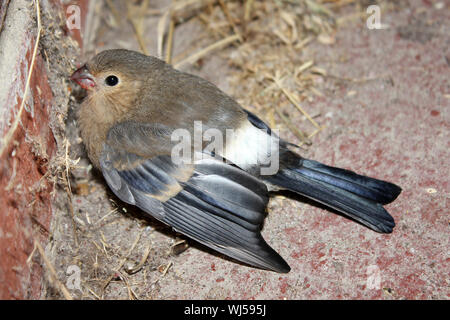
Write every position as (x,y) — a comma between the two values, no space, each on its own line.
(83,78)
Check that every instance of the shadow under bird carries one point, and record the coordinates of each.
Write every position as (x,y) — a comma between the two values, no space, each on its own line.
(135,103)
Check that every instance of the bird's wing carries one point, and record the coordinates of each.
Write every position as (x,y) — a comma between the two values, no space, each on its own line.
(212,202)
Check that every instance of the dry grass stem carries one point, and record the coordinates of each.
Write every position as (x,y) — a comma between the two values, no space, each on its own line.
(52,271)
(230,19)
(144,258)
(121,264)
(114,11)
(6,140)
(215,46)
(300,135)
(136,28)
(294,101)
(69,192)
(161,32)
(170,41)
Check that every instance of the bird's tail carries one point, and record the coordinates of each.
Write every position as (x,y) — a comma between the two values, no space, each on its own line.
(357,196)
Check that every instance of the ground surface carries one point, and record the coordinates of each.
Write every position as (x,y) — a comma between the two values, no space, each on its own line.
(385,107)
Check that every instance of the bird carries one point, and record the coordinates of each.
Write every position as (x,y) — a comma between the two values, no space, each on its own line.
(134,105)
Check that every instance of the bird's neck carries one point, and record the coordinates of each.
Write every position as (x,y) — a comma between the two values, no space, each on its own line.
(94,122)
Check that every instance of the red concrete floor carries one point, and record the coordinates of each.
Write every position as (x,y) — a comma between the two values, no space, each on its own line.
(392,123)
(394,127)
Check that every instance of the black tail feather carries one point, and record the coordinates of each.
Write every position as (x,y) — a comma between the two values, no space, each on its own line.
(357,196)
(373,189)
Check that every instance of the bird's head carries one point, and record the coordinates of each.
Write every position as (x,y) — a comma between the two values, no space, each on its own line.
(113,73)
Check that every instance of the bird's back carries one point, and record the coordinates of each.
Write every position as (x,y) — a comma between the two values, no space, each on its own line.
(177,98)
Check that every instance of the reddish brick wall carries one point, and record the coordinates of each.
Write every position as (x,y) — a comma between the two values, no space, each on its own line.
(25,193)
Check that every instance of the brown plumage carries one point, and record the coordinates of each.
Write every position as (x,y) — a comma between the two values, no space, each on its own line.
(147,88)
(135,103)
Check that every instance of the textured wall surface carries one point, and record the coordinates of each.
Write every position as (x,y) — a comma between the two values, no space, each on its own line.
(27,146)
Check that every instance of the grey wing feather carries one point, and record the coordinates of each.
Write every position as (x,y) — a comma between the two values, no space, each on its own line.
(214,203)
(228,220)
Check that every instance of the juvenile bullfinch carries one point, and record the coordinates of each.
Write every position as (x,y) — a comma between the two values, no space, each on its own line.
(134,105)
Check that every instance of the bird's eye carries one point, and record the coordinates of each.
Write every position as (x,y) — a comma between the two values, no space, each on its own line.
(111,81)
